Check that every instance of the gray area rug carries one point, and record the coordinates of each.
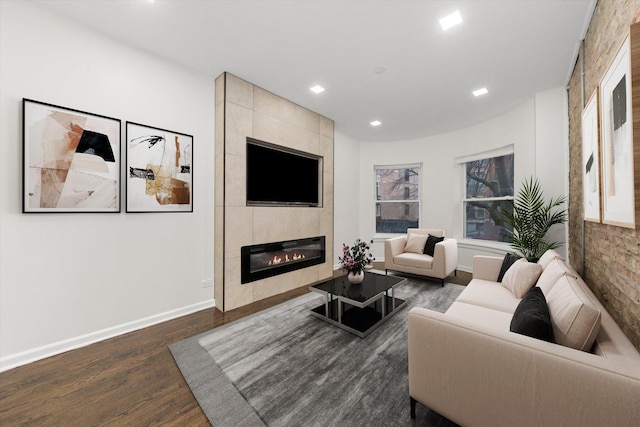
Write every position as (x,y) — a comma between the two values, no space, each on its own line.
(284,367)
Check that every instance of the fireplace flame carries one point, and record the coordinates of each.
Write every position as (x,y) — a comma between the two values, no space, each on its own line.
(279,260)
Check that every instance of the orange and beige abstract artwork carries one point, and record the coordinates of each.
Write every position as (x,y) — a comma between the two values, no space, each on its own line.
(159,170)
(71,160)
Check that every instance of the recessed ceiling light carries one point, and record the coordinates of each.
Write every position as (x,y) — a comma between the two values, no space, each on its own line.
(375,123)
(480,91)
(451,20)
(317,89)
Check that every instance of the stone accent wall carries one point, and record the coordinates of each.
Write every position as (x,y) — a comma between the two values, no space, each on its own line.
(245,110)
(611,265)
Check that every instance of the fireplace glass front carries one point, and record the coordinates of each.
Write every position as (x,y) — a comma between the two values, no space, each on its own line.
(270,259)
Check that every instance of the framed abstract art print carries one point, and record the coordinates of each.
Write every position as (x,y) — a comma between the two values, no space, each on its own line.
(159,170)
(71,160)
(591,159)
(618,201)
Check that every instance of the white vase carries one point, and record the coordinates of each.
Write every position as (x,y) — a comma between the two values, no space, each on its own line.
(355,278)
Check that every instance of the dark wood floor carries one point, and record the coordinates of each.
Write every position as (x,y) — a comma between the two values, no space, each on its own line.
(129,380)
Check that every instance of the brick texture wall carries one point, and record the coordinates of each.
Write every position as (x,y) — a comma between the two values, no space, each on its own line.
(611,264)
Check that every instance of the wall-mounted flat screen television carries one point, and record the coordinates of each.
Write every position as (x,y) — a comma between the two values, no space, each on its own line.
(279,176)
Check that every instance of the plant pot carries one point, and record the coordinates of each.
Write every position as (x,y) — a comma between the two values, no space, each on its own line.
(355,277)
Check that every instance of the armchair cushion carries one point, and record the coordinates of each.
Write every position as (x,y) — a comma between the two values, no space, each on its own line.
(415,243)
(430,246)
(409,259)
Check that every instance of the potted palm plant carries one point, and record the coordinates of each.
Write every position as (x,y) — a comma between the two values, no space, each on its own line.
(531,219)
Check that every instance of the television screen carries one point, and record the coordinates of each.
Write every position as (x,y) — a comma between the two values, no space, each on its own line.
(279,176)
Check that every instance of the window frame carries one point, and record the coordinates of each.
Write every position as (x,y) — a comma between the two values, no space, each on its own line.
(378,185)
(464,200)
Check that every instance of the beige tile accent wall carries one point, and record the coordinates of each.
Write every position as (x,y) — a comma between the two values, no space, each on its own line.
(245,110)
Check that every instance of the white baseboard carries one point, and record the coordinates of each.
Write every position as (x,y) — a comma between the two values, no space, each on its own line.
(18,359)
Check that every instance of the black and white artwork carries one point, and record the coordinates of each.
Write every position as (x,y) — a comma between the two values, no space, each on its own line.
(591,160)
(159,170)
(618,204)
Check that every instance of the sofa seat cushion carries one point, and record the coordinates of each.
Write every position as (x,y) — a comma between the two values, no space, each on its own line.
(409,259)
(492,295)
(574,317)
(480,315)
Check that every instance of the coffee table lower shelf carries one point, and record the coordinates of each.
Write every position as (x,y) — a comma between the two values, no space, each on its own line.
(358,321)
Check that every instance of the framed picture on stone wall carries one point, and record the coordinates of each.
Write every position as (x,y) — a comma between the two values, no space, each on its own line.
(618,201)
(159,170)
(71,160)
(591,158)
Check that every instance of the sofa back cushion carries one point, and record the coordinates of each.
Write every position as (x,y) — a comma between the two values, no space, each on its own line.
(521,277)
(549,256)
(551,273)
(425,231)
(574,318)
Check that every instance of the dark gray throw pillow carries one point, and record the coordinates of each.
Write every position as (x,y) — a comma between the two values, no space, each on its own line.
(430,246)
(507,262)
(532,318)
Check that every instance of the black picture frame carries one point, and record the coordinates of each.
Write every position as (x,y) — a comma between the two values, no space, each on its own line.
(71,160)
(159,170)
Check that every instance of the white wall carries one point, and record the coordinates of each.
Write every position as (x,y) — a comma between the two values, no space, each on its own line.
(69,279)
(537,131)
(346,204)
(51,296)
(552,151)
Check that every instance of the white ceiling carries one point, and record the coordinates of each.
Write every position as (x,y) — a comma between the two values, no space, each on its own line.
(513,47)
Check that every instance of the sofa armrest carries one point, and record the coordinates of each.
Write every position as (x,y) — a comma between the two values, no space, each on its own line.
(477,375)
(394,246)
(486,267)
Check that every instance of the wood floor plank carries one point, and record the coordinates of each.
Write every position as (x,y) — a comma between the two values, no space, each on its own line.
(128,380)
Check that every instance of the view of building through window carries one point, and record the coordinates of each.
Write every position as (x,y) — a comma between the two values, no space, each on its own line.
(397,198)
(489,189)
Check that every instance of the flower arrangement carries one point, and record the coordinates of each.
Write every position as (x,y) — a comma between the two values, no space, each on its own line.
(354,259)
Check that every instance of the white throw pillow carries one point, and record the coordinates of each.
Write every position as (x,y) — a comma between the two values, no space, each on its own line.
(415,243)
(521,277)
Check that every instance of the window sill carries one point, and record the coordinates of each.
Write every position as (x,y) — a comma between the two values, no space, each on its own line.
(380,237)
(495,247)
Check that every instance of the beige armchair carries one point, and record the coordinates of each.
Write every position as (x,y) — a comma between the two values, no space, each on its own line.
(404,254)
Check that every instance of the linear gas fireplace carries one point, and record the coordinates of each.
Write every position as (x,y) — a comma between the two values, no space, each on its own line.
(270,259)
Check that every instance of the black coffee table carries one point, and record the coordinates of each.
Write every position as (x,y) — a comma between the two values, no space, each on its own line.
(361,308)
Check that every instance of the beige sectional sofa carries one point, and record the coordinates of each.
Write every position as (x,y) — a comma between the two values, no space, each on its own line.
(466,364)
(401,255)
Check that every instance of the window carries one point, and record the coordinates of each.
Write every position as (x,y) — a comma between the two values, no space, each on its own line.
(397,198)
(488,190)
